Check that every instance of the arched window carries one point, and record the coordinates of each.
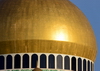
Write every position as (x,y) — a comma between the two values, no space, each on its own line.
(51,61)
(1,62)
(17,61)
(43,61)
(25,61)
(91,67)
(34,60)
(67,62)
(88,65)
(73,63)
(79,64)
(59,62)
(9,62)
(84,65)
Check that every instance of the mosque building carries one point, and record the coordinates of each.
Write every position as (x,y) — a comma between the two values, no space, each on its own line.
(45,35)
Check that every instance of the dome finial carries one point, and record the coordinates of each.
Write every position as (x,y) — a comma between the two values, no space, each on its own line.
(37,69)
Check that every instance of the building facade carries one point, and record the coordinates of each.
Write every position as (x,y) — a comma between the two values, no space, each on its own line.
(46,61)
(53,35)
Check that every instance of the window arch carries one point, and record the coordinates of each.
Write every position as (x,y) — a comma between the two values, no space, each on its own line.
(2,62)
(17,61)
(88,65)
(73,63)
(9,62)
(79,64)
(59,62)
(67,62)
(84,65)
(43,61)
(91,66)
(51,61)
(34,60)
(25,61)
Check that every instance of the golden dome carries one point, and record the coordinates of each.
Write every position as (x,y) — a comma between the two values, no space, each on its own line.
(48,26)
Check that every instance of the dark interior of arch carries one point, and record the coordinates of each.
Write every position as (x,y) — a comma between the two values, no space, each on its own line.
(25,61)
(67,62)
(88,65)
(34,60)
(43,61)
(84,65)
(73,63)
(9,62)
(79,64)
(1,62)
(51,61)
(59,62)
(17,61)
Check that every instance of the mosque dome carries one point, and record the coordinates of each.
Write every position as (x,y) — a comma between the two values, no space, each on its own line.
(45,26)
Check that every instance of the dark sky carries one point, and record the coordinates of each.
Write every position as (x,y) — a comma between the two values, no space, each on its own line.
(91,8)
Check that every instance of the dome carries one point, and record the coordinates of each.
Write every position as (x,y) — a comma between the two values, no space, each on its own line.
(45,26)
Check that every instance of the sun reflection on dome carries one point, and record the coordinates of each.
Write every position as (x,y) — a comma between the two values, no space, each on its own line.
(60,36)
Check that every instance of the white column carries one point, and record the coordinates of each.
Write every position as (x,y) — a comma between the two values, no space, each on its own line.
(92,66)
(82,64)
(21,60)
(30,55)
(5,61)
(47,60)
(39,60)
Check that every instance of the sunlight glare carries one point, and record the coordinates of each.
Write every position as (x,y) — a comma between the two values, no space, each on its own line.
(60,36)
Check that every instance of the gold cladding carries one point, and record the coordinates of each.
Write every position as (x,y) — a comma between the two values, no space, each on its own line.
(48,20)
(46,46)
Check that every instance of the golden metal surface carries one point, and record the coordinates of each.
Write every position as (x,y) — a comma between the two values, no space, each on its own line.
(59,23)
(46,46)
